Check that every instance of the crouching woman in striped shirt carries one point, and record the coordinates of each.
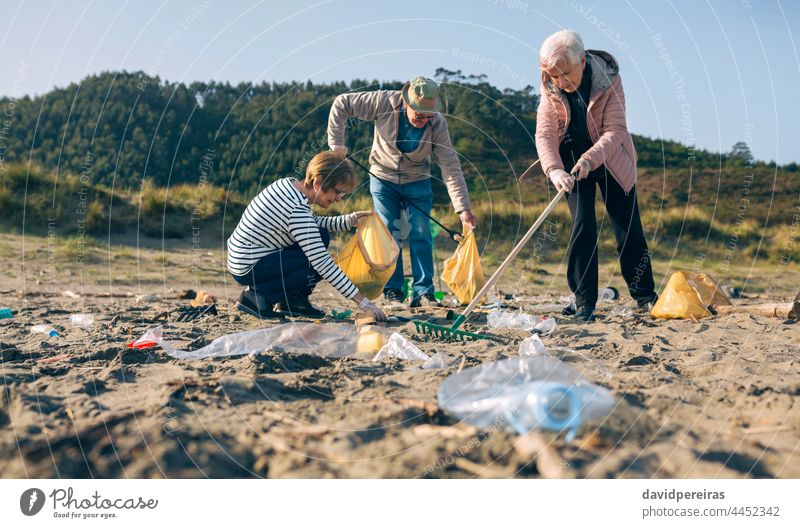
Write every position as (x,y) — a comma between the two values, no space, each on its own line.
(279,248)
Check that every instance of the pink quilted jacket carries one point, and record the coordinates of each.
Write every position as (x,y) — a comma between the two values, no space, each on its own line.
(608,130)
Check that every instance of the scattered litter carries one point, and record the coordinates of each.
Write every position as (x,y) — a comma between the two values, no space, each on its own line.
(532,346)
(610,294)
(187,294)
(329,340)
(203,298)
(339,314)
(146,298)
(370,339)
(521,320)
(732,291)
(150,339)
(399,347)
(439,360)
(524,393)
(82,320)
(6,313)
(44,329)
(71,294)
(450,301)
(621,311)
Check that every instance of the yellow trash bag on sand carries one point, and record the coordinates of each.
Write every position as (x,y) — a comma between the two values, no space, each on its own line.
(462,272)
(369,257)
(688,296)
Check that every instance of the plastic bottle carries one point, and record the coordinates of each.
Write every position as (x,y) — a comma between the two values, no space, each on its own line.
(44,329)
(82,320)
(6,313)
(603,294)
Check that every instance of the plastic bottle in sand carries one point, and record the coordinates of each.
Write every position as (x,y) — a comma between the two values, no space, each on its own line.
(44,329)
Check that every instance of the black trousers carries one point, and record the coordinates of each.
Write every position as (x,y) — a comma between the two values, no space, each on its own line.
(623,214)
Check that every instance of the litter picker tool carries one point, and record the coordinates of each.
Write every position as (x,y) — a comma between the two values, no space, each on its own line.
(453,332)
(456,237)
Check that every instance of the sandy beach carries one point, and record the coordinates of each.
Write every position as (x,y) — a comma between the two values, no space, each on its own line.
(711,398)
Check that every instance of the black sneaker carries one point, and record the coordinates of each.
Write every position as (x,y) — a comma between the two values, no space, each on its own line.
(426,299)
(393,295)
(647,306)
(569,310)
(256,305)
(299,307)
(584,314)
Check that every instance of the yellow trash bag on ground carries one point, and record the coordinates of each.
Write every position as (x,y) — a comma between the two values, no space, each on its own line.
(370,256)
(688,295)
(462,272)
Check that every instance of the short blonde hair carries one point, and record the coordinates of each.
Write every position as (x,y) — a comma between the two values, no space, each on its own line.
(562,46)
(332,169)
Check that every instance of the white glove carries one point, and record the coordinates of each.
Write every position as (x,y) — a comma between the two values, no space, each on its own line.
(367,306)
(581,169)
(562,180)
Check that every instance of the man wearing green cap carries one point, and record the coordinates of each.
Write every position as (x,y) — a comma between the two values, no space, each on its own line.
(409,130)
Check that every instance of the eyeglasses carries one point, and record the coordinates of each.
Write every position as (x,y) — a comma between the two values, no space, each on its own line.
(339,194)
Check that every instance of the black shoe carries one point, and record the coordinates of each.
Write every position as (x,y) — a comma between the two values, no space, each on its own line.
(584,314)
(393,295)
(299,307)
(647,306)
(569,310)
(256,305)
(426,299)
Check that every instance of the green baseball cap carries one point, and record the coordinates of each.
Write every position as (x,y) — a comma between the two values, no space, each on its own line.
(422,94)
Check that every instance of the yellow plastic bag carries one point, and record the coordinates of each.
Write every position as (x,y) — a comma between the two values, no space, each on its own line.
(462,272)
(369,257)
(688,295)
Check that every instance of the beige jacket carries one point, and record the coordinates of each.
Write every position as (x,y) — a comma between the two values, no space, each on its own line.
(386,161)
(608,130)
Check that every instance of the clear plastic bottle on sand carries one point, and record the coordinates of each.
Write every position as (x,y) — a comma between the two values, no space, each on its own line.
(44,329)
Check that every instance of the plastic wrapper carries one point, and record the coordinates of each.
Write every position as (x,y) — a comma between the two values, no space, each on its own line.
(329,340)
(462,272)
(369,257)
(399,347)
(688,295)
(524,393)
(82,320)
(521,320)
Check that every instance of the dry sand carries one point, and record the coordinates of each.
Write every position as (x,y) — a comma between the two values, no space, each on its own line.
(713,398)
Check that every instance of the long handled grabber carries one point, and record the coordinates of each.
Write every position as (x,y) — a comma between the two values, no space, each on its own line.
(456,237)
(453,332)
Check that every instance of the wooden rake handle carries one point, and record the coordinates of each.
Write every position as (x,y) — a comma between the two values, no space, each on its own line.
(496,275)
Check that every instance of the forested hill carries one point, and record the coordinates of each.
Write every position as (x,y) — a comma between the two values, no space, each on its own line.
(121,128)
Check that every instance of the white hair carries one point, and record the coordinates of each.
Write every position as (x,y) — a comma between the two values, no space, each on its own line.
(565,45)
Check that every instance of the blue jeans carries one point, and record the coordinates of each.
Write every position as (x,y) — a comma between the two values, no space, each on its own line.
(284,274)
(390,199)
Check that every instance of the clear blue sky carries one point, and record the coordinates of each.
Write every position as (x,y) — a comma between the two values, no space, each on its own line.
(720,72)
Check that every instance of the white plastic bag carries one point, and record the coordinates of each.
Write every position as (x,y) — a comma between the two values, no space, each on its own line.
(521,320)
(329,340)
(399,347)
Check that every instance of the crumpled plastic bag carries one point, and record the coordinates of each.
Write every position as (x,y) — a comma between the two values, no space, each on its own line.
(329,340)
(521,320)
(524,393)
(369,257)
(462,272)
(399,347)
(688,295)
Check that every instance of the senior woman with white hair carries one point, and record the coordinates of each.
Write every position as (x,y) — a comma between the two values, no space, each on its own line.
(583,143)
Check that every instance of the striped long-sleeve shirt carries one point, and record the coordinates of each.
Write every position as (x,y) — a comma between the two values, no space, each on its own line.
(278,218)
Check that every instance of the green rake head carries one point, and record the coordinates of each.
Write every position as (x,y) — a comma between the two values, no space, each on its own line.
(448,333)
